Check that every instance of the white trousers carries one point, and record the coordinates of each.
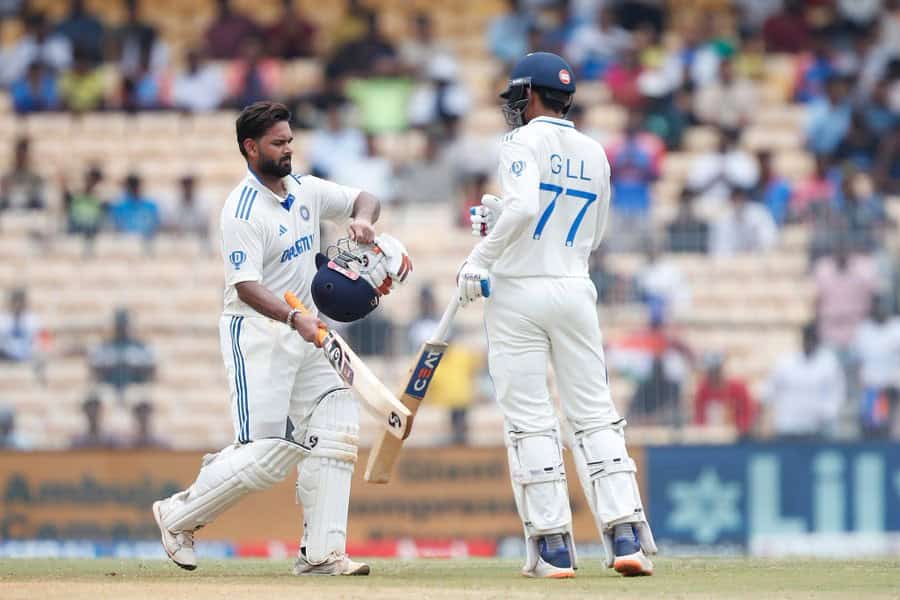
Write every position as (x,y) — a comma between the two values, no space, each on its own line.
(273,375)
(535,321)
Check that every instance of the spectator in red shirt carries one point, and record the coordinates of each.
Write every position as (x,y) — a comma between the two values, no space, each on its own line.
(292,35)
(722,400)
(228,32)
(622,78)
(788,30)
(818,187)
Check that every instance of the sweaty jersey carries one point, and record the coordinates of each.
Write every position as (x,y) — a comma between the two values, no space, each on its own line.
(274,240)
(556,191)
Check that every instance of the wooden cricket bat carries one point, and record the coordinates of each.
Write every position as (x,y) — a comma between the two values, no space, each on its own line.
(380,401)
(387,446)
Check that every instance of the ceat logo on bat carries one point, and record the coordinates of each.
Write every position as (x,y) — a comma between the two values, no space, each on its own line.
(564,77)
(422,374)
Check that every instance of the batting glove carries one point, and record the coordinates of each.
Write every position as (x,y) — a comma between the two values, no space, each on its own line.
(484,217)
(473,282)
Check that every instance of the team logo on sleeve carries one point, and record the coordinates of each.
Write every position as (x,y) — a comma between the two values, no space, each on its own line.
(237,258)
(304,213)
(517,167)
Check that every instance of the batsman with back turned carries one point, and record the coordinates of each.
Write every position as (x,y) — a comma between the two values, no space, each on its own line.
(290,408)
(555,184)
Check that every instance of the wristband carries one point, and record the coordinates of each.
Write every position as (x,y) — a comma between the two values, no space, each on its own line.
(290,318)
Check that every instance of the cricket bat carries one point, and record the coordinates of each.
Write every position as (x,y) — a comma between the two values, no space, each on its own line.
(387,446)
(380,401)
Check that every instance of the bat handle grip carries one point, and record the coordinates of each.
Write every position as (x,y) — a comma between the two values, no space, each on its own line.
(294,302)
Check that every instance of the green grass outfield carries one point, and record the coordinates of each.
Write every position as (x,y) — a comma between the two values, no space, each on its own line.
(48,579)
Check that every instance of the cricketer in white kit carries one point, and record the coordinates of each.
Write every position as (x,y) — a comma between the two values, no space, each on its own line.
(289,408)
(555,185)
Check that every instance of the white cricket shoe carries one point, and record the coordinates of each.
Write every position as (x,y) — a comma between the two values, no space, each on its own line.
(179,546)
(633,565)
(630,559)
(544,570)
(335,565)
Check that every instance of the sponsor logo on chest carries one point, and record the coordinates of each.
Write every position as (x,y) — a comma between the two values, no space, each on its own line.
(300,246)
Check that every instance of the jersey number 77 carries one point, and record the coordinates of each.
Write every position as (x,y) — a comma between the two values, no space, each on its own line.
(588,197)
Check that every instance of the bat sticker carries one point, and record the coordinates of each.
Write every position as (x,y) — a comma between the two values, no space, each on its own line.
(338,359)
(422,374)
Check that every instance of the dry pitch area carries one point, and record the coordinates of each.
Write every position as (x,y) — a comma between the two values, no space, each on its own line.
(443,579)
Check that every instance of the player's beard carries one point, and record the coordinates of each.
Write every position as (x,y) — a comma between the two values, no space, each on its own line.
(279,168)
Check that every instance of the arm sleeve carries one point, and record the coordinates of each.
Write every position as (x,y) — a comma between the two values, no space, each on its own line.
(520,182)
(242,250)
(335,201)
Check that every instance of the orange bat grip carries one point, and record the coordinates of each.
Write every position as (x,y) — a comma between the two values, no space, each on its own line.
(294,302)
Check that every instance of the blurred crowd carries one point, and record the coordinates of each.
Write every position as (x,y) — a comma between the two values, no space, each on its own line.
(668,71)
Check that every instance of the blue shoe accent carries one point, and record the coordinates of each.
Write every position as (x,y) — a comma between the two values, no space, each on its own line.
(559,557)
(626,544)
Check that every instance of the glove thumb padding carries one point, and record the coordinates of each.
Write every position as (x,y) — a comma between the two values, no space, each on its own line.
(399,265)
(492,202)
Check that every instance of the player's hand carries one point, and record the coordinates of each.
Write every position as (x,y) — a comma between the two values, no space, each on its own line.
(361,231)
(308,327)
(386,264)
(472,282)
(484,217)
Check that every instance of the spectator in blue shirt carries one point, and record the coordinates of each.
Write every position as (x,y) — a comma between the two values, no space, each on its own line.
(561,28)
(817,68)
(135,213)
(634,167)
(36,91)
(773,191)
(508,33)
(859,144)
(877,112)
(829,117)
(84,30)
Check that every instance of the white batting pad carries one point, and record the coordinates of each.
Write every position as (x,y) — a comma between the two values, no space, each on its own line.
(227,476)
(538,476)
(323,479)
(607,475)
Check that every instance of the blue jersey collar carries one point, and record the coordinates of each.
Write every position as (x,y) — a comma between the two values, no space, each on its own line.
(286,202)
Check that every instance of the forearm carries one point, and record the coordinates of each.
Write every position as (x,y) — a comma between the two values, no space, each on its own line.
(508,228)
(260,299)
(366,207)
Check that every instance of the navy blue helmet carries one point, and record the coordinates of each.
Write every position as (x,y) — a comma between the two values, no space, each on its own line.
(339,292)
(544,70)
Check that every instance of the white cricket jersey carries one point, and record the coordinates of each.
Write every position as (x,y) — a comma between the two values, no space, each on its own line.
(556,191)
(274,240)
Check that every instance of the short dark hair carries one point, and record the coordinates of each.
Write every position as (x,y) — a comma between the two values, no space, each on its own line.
(256,119)
(555,100)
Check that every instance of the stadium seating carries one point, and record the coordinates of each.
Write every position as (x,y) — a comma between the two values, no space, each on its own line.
(748,307)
